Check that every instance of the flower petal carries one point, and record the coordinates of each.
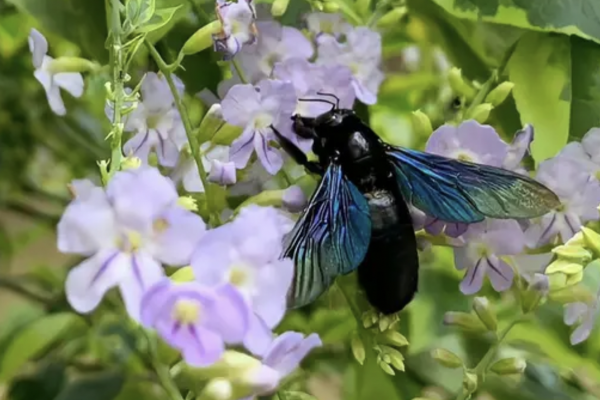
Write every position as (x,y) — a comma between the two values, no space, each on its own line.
(287,351)
(176,243)
(500,273)
(222,173)
(259,336)
(200,347)
(72,82)
(140,145)
(269,157)
(273,283)
(156,94)
(87,283)
(38,45)
(240,104)
(575,312)
(142,272)
(228,315)
(212,258)
(473,279)
(242,147)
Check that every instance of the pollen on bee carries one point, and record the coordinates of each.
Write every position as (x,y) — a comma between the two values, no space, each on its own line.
(186,311)
(464,157)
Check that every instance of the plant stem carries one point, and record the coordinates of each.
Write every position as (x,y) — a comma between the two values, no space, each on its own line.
(118,88)
(192,139)
(482,366)
(13,286)
(162,371)
(239,71)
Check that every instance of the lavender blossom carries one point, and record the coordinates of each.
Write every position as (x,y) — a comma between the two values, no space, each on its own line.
(584,316)
(246,253)
(294,199)
(156,123)
(186,170)
(579,194)
(238,28)
(361,53)
(586,153)
(486,243)
(520,146)
(257,110)
(281,358)
(72,82)
(274,44)
(309,79)
(196,320)
(126,231)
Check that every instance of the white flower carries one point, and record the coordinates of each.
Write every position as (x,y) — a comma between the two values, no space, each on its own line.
(187,171)
(72,82)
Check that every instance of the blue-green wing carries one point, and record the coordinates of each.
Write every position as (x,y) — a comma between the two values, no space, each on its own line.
(459,191)
(329,239)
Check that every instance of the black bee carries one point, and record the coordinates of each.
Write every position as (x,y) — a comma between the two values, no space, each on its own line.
(358,216)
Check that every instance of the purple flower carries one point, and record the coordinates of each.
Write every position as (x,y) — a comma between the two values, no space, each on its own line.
(486,243)
(520,146)
(320,23)
(72,82)
(586,153)
(156,123)
(361,53)
(281,358)
(222,173)
(246,254)
(196,320)
(186,170)
(238,28)
(294,199)
(309,79)
(257,110)
(274,43)
(584,316)
(579,194)
(126,231)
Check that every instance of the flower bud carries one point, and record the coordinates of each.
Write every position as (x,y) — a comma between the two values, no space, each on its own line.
(369,318)
(469,382)
(71,64)
(577,240)
(421,123)
(538,288)
(575,253)
(184,274)
(279,7)
(481,112)
(222,173)
(103,167)
(330,7)
(394,338)
(392,356)
(385,322)
(211,123)
(217,389)
(294,199)
(572,294)
(391,18)
(574,279)
(385,367)
(187,202)
(358,348)
(459,85)
(467,322)
(499,93)
(557,281)
(509,366)
(202,39)
(446,358)
(592,240)
(482,308)
(565,266)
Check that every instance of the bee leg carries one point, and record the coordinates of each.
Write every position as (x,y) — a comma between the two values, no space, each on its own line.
(297,154)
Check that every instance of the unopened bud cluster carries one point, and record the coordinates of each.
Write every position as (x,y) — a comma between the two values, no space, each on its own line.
(481,320)
(385,340)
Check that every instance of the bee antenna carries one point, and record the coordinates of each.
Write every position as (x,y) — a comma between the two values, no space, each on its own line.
(333,105)
(337,99)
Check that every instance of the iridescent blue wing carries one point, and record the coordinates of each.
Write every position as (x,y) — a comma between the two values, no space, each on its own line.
(459,191)
(330,238)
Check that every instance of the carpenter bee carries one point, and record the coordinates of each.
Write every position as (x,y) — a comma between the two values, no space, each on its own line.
(358,217)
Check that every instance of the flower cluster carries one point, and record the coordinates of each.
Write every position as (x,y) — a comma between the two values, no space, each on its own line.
(136,225)
(495,247)
(277,73)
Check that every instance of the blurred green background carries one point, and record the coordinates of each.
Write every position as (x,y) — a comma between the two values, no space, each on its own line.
(46,352)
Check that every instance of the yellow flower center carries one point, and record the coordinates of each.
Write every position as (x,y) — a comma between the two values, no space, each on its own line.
(238,275)
(483,251)
(187,312)
(262,121)
(160,225)
(597,174)
(131,242)
(464,157)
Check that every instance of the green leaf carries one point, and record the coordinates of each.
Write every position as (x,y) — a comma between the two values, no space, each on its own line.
(585,88)
(540,68)
(101,386)
(32,340)
(81,22)
(293,395)
(570,17)
(158,20)
(140,11)
(45,383)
